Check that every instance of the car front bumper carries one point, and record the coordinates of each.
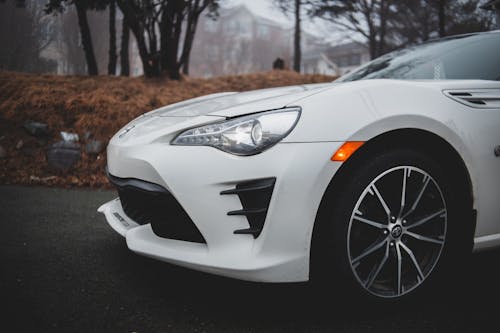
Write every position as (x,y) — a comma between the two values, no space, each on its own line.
(196,176)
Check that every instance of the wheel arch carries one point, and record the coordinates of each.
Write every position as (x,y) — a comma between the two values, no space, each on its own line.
(413,138)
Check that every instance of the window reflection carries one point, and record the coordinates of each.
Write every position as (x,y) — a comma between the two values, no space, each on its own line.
(464,57)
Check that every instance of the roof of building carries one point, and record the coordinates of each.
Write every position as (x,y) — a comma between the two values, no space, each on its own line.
(230,11)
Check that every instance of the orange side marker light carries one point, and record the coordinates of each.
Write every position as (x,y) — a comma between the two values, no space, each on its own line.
(346,150)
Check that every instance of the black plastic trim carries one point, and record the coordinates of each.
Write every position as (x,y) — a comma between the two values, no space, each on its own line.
(249,231)
(136,184)
(249,188)
(255,196)
(248,211)
(148,203)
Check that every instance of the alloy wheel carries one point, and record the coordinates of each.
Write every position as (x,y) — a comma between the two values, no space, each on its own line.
(397,231)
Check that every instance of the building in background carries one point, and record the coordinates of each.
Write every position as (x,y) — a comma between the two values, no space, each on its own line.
(335,60)
(240,41)
(237,42)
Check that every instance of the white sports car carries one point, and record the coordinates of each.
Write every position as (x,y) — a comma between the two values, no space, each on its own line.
(380,180)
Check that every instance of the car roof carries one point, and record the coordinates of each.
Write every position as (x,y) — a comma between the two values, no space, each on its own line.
(462,36)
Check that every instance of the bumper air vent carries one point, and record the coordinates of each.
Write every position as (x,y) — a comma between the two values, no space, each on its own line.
(148,203)
(255,196)
(476,98)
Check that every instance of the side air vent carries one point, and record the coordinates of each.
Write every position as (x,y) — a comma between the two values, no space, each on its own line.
(476,98)
(254,196)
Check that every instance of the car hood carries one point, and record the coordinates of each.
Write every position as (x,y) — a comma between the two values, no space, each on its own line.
(161,124)
(230,104)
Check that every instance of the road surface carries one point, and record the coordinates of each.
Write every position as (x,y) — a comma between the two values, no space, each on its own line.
(64,269)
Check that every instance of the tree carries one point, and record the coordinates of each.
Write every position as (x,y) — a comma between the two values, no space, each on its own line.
(88,47)
(391,24)
(466,17)
(194,10)
(28,32)
(148,18)
(58,6)
(297,55)
(416,21)
(124,59)
(370,19)
(112,38)
(441,5)
(74,58)
(294,7)
(420,20)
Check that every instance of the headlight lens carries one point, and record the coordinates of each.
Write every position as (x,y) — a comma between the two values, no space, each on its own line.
(248,135)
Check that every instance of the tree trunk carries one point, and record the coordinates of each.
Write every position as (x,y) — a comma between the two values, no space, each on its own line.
(384,17)
(86,39)
(170,31)
(497,15)
(297,47)
(372,44)
(188,44)
(185,66)
(191,25)
(124,60)
(112,38)
(442,17)
(137,29)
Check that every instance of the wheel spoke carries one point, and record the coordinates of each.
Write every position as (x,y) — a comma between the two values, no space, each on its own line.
(413,259)
(375,272)
(417,200)
(399,271)
(372,248)
(403,191)
(425,238)
(382,201)
(427,218)
(370,222)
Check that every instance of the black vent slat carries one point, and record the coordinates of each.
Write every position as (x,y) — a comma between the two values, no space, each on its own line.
(473,101)
(259,187)
(460,94)
(255,196)
(249,231)
(247,212)
(147,203)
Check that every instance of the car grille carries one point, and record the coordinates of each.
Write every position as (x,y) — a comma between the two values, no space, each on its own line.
(148,203)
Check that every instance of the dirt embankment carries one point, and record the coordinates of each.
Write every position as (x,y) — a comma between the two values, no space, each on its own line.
(99,105)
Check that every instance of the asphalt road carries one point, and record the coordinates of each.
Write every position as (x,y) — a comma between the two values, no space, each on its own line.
(64,269)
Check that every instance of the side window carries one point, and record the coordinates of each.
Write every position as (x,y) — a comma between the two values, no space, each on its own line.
(263,32)
(477,60)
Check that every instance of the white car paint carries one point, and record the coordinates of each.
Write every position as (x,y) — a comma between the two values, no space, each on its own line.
(331,115)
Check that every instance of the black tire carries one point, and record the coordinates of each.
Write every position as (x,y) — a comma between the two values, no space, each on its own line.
(331,263)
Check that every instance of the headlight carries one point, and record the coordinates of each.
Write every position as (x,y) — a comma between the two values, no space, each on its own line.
(246,135)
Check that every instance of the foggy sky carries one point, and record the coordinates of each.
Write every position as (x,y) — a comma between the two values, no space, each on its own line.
(263,8)
(316,27)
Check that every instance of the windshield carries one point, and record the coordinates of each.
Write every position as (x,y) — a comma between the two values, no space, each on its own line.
(469,57)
